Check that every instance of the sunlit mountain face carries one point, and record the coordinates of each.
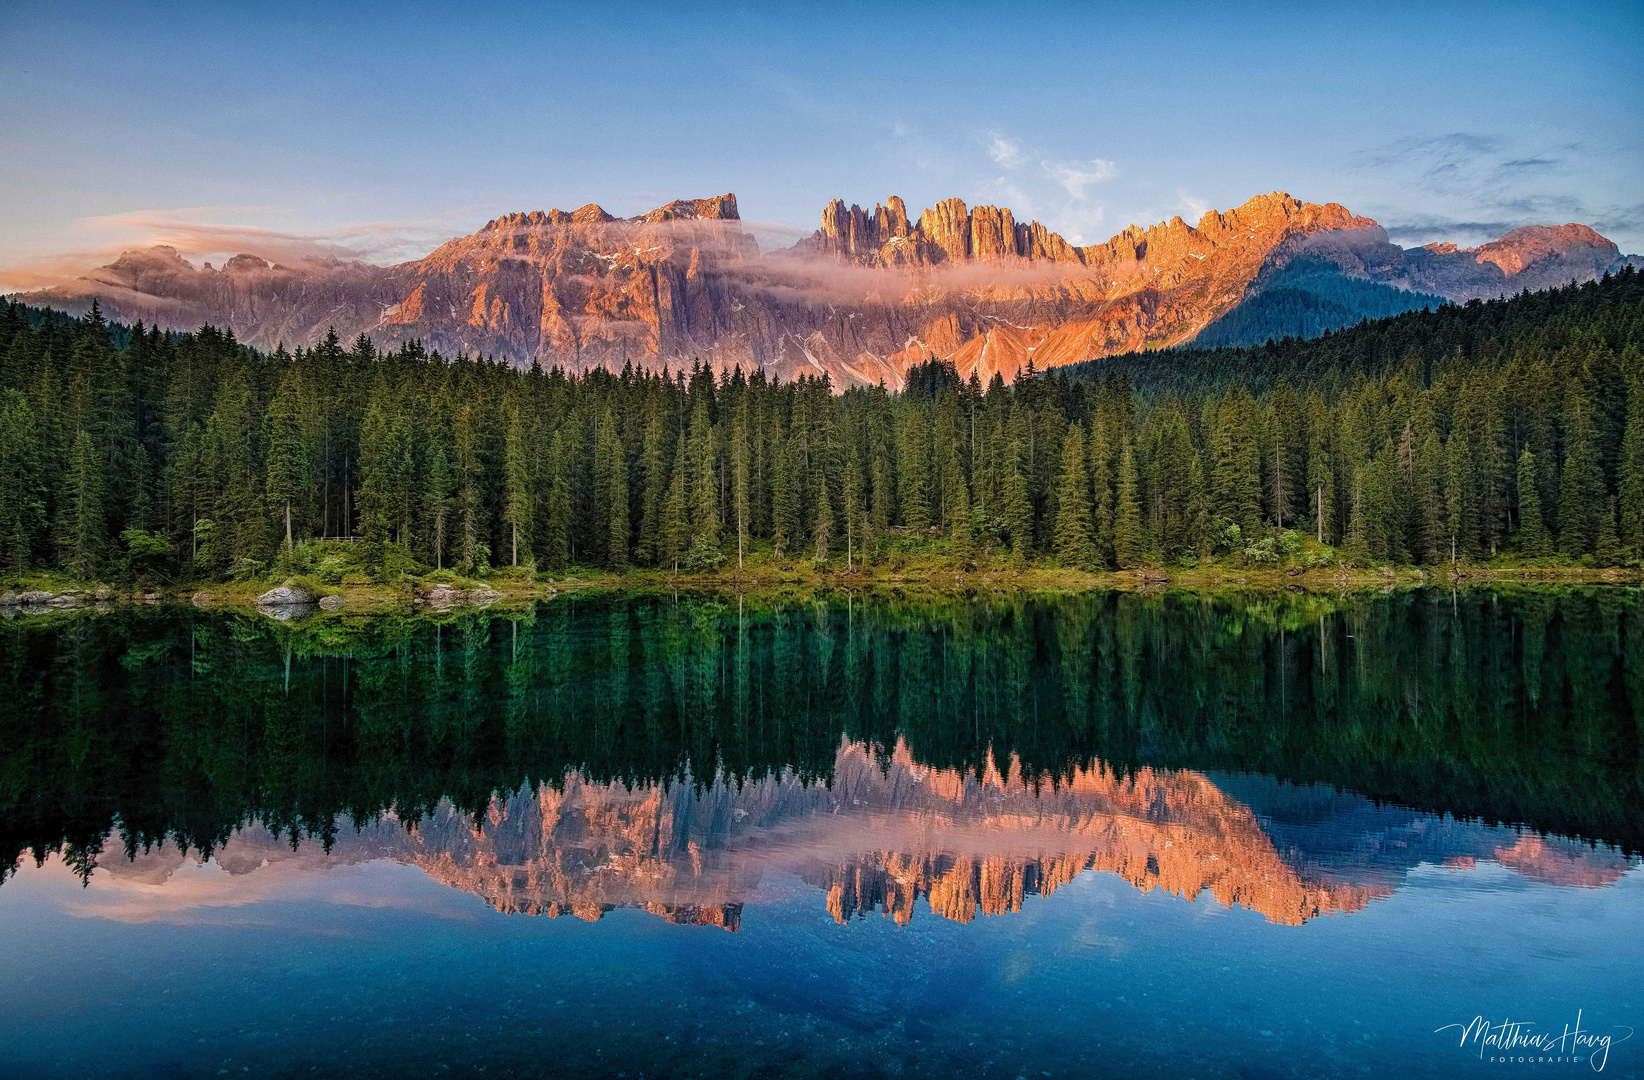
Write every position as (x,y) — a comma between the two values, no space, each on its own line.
(864,299)
(1292,757)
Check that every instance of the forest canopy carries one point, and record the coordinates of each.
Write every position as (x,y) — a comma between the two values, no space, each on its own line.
(1458,433)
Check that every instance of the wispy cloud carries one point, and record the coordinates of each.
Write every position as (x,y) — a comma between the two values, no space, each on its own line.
(1471,187)
(91,242)
(1076,176)
(1196,207)
(1005,154)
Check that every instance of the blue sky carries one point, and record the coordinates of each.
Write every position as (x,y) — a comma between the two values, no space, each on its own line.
(385,128)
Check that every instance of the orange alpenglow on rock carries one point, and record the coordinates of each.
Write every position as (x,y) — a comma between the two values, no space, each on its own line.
(861,300)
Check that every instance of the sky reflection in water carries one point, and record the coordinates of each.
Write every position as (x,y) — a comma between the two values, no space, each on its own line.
(927,897)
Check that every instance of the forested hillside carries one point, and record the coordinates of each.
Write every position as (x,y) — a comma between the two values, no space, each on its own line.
(1511,426)
(1304,300)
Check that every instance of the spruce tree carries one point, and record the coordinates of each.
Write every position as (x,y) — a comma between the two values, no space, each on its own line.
(517,489)
(676,526)
(1127,516)
(85,530)
(1074,545)
(438,503)
(654,479)
(704,481)
(1630,480)
(1580,498)
(913,484)
(1532,534)
(1016,510)
(741,476)
(288,476)
(22,499)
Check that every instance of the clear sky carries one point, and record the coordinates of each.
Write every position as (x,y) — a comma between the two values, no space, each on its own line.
(386,128)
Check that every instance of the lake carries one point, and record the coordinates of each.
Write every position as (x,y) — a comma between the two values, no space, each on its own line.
(667,836)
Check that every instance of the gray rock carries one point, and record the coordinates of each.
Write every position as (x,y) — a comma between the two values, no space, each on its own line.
(285,596)
(8,599)
(105,593)
(200,599)
(64,601)
(35,598)
(331,603)
(444,596)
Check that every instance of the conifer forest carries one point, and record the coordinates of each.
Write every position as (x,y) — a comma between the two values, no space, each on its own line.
(1504,429)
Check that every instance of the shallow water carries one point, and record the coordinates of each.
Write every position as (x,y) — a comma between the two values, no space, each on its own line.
(1108,835)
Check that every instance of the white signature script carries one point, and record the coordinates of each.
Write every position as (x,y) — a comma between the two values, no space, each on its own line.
(1527,1041)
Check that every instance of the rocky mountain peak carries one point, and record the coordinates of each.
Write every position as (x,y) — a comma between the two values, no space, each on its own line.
(861,300)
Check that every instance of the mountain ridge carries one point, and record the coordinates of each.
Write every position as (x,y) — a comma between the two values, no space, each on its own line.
(865,297)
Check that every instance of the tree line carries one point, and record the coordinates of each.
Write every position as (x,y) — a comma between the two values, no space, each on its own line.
(1458,434)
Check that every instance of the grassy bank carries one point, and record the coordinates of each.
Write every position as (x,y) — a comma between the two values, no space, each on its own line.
(348,586)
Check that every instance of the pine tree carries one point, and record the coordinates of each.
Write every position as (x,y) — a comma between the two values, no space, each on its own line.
(956,504)
(704,481)
(1580,499)
(288,477)
(1236,481)
(741,503)
(1532,534)
(1431,543)
(1017,511)
(1074,545)
(1103,499)
(1320,470)
(822,531)
(676,526)
(375,498)
(22,498)
(1629,480)
(438,503)
(855,510)
(654,477)
(915,472)
(785,510)
(1127,517)
(85,531)
(612,476)
(516,464)
(465,437)
(1460,499)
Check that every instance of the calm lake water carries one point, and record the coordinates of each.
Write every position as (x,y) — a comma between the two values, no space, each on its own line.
(1111,835)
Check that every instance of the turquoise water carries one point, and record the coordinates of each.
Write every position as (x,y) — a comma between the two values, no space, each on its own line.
(1117,835)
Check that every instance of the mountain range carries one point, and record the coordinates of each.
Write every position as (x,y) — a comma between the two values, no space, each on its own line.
(864,298)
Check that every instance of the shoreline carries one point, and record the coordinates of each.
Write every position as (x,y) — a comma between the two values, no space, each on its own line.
(39,594)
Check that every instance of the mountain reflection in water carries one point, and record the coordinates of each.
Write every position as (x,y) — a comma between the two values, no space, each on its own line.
(1291,755)
(884,836)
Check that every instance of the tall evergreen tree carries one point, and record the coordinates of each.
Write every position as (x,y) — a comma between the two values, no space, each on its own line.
(288,479)
(1074,545)
(85,530)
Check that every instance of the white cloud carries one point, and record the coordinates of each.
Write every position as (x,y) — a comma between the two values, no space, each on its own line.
(1075,176)
(1004,152)
(1196,207)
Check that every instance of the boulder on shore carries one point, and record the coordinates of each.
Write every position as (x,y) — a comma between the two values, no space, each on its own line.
(285,596)
(331,603)
(445,595)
